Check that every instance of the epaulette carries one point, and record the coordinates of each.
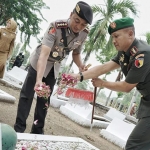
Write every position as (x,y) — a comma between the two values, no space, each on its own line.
(86,30)
(61,24)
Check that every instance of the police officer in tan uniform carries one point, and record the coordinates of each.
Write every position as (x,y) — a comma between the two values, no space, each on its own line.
(134,59)
(61,37)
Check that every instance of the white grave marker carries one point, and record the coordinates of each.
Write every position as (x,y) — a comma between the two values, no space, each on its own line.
(118,132)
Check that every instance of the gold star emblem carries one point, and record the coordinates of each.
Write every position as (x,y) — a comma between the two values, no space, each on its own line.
(121,59)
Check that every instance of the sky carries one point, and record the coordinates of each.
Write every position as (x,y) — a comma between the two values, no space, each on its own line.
(61,10)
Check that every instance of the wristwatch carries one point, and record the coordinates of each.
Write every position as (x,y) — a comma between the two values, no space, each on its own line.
(81,76)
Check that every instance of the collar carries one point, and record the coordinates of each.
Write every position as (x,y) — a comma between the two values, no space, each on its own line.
(128,53)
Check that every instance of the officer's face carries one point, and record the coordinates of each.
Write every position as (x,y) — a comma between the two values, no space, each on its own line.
(122,39)
(77,24)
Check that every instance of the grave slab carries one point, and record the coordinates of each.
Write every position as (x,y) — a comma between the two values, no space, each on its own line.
(56,101)
(55,142)
(118,132)
(16,76)
(5,97)
(113,113)
(81,114)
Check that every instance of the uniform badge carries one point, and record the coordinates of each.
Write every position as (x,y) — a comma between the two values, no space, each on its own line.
(68,30)
(139,62)
(55,54)
(121,59)
(133,51)
(52,30)
(61,24)
(113,25)
(77,9)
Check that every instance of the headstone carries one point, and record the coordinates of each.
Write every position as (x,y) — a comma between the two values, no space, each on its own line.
(118,132)
(56,101)
(6,97)
(81,114)
(113,113)
(16,76)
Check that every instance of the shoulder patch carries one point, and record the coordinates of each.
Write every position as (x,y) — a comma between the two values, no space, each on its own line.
(52,30)
(61,24)
(133,50)
(86,30)
(140,55)
(139,62)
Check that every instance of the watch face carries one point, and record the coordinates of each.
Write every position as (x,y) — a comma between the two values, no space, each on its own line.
(55,54)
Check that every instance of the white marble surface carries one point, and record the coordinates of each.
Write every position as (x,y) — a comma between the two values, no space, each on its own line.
(50,142)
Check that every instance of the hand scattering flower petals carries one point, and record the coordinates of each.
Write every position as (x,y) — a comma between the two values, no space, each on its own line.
(66,81)
(43,91)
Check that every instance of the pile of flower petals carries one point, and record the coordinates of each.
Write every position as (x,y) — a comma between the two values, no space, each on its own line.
(49,145)
(43,91)
(66,81)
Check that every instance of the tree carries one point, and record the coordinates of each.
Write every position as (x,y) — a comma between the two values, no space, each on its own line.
(26,13)
(148,37)
(97,39)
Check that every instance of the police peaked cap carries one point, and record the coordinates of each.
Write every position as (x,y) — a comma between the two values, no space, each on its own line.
(84,11)
(120,24)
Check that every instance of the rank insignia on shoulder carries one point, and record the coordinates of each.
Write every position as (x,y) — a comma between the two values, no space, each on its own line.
(139,62)
(61,24)
(133,51)
(52,30)
(86,30)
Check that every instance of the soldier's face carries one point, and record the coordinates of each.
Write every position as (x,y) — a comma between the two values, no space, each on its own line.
(77,24)
(122,39)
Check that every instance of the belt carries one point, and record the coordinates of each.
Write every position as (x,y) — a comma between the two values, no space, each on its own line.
(144,92)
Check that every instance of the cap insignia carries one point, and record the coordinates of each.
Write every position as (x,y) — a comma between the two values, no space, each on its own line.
(61,24)
(113,25)
(77,8)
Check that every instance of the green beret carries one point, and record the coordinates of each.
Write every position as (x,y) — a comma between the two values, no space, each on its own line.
(120,24)
(84,11)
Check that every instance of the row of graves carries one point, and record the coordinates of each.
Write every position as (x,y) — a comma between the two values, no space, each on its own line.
(78,105)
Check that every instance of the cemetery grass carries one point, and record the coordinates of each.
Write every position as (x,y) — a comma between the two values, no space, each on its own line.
(56,123)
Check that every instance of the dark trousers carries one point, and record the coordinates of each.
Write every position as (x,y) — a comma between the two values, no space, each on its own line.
(25,102)
(139,139)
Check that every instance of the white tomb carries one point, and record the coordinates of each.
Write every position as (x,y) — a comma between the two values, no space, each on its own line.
(81,114)
(16,76)
(6,97)
(118,132)
(113,113)
(53,142)
(57,101)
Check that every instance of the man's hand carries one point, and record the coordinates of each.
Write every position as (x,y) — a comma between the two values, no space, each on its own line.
(84,68)
(38,84)
(97,82)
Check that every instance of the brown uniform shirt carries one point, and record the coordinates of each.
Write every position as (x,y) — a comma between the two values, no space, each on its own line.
(53,39)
